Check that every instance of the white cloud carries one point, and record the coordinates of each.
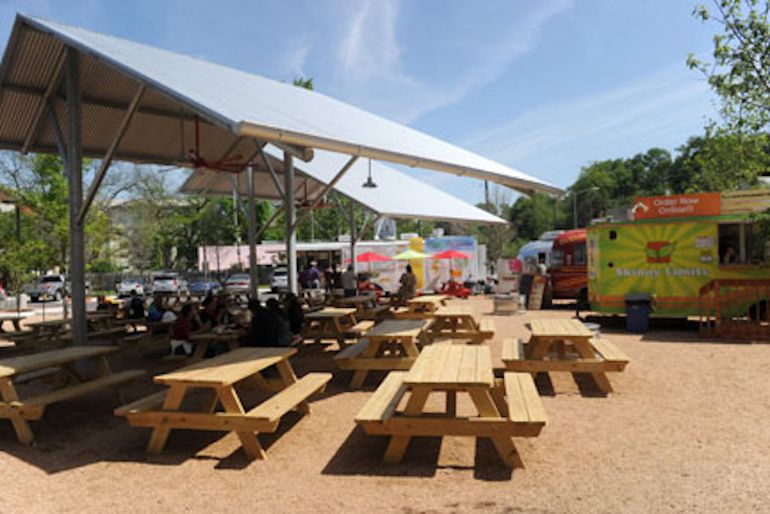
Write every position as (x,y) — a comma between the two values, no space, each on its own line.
(555,141)
(294,62)
(371,60)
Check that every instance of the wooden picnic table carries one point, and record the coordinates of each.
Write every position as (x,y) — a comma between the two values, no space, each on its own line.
(564,345)
(458,322)
(367,307)
(203,341)
(505,408)
(15,319)
(390,345)
(218,376)
(329,323)
(421,307)
(46,364)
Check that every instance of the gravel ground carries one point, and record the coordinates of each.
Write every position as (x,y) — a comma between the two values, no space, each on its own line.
(685,430)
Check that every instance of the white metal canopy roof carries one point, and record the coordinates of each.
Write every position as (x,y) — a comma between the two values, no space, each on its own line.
(397,195)
(237,107)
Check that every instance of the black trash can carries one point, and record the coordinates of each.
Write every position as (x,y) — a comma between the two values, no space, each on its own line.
(638,308)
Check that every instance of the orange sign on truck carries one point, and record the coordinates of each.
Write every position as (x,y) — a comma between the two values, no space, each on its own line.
(677,206)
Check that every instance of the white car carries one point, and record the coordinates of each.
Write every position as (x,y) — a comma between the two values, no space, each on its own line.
(127,285)
(280,280)
(237,284)
(169,282)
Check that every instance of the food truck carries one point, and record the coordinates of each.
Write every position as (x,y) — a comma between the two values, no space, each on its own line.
(679,248)
(568,270)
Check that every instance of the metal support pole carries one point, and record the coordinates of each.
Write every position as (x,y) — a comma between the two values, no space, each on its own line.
(353,235)
(74,167)
(291,233)
(574,211)
(325,190)
(253,276)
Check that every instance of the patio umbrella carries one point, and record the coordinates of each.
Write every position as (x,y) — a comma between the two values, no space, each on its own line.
(370,257)
(451,255)
(410,254)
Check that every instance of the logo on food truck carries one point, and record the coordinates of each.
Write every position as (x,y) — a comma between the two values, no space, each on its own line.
(659,251)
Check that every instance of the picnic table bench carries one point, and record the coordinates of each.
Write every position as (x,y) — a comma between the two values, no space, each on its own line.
(391,345)
(25,368)
(564,345)
(506,408)
(163,411)
(459,323)
(329,323)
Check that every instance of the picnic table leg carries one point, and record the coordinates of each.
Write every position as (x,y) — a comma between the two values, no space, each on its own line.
(232,404)
(487,409)
(398,443)
(586,351)
(173,400)
(103,369)
(451,402)
(17,325)
(359,376)
(20,425)
(288,378)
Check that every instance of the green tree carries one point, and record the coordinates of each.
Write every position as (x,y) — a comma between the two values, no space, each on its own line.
(740,70)
(720,161)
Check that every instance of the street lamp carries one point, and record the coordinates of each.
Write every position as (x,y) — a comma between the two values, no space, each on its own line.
(574,202)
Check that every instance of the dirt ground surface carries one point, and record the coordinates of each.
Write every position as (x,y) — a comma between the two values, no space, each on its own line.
(686,430)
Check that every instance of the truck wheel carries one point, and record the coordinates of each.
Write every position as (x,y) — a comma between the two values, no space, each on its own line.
(57,296)
(33,299)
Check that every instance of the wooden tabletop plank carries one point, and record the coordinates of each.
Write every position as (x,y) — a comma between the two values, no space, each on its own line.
(428,298)
(442,365)
(330,312)
(50,323)
(559,328)
(398,328)
(24,363)
(450,372)
(228,368)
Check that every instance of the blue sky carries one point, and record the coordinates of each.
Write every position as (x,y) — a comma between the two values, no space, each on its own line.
(544,86)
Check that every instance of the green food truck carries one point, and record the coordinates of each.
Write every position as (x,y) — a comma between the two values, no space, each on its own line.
(683,252)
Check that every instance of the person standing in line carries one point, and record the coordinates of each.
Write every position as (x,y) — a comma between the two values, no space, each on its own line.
(348,280)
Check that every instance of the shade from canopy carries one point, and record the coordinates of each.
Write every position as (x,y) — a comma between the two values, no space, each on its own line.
(236,108)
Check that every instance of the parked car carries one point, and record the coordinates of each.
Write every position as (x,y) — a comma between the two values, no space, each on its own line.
(48,287)
(127,285)
(169,282)
(203,286)
(237,284)
(280,279)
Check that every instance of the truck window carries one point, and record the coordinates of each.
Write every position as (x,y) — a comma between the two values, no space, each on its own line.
(557,258)
(730,244)
(580,254)
(744,243)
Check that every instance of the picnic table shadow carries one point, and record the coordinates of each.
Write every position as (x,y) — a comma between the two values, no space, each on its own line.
(361,455)
(68,438)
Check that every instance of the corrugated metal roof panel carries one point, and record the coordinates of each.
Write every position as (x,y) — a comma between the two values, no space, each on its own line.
(239,102)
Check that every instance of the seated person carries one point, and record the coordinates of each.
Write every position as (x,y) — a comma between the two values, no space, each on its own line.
(156,310)
(134,308)
(269,328)
(295,315)
(182,330)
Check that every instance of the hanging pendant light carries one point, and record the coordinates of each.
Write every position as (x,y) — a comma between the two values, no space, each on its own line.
(369,184)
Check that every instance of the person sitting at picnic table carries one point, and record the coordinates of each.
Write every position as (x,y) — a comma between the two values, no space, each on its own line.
(182,329)
(155,311)
(348,280)
(268,326)
(295,315)
(408,285)
(134,308)
(215,310)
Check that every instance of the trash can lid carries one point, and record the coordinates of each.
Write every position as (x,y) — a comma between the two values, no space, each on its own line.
(638,298)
